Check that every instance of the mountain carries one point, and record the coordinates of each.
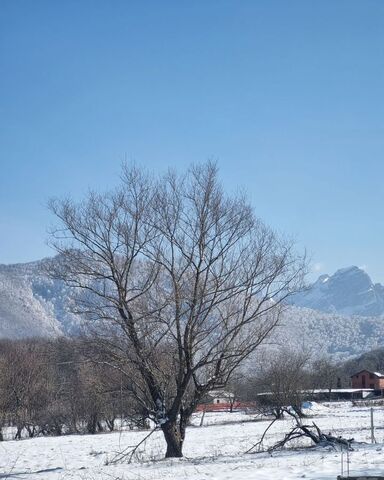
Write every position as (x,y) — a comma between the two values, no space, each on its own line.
(34,304)
(333,334)
(349,291)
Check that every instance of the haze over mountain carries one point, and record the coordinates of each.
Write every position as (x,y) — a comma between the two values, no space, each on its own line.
(349,291)
(339,315)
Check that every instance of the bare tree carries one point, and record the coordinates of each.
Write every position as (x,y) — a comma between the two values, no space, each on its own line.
(284,381)
(179,283)
(24,384)
(325,374)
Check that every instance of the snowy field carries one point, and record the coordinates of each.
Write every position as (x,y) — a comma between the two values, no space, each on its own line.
(213,451)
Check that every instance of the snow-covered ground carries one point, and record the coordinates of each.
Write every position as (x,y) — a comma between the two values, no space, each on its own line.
(213,451)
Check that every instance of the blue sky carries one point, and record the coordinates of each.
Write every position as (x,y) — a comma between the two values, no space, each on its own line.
(287,96)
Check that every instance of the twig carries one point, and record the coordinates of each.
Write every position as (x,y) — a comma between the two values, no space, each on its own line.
(119,457)
(260,442)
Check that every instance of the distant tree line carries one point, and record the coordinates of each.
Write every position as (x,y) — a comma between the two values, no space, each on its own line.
(281,381)
(372,360)
(63,386)
(51,387)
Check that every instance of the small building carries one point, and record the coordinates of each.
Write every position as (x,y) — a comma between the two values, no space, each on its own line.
(326,394)
(368,379)
(218,401)
(220,397)
(337,394)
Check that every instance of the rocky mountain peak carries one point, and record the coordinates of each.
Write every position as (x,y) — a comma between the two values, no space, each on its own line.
(349,291)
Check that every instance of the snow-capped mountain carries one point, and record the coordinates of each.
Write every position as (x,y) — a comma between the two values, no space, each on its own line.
(34,304)
(349,291)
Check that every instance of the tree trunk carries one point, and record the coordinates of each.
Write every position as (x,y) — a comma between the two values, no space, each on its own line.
(18,432)
(298,410)
(92,423)
(278,413)
(174,439)
(110,424)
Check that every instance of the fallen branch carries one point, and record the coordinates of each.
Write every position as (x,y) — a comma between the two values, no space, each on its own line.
(259,444)
(126,453)
(314,433)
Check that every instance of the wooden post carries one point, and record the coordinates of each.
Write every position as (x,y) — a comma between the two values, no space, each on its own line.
(202,417)
(347,462)
(373,440)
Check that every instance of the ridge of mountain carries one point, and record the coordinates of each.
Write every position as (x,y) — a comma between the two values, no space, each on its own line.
(34,304)
(349,291)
